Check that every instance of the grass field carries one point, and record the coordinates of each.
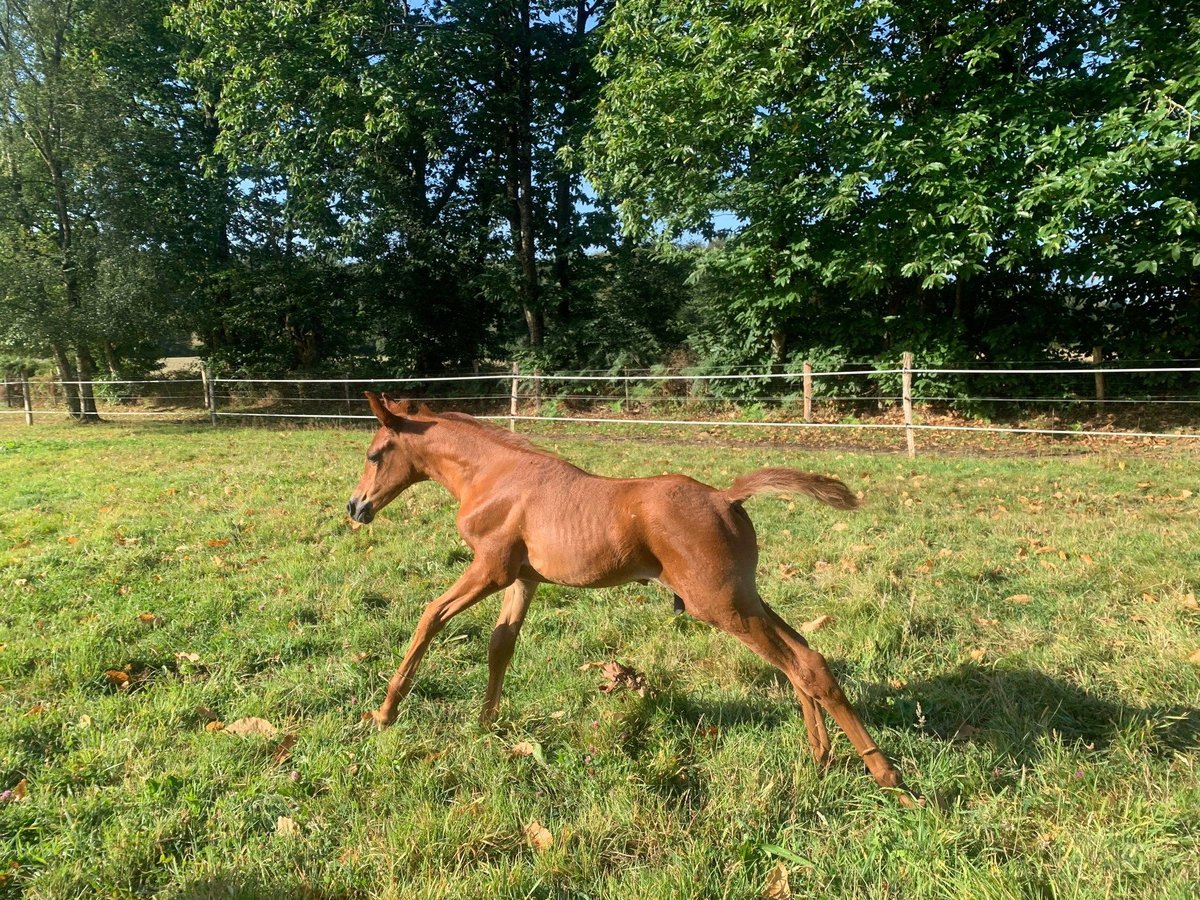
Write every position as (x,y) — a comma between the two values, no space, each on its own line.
(1016,632)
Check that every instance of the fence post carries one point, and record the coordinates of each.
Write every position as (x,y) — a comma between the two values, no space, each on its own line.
(537,392)
(26,400)
(1097,361)
(210,395)
(512,406)
(625,378)
(346,393)
(204,384)
(906,364)
(807,391)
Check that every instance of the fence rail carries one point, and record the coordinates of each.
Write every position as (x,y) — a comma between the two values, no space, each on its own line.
(641,397)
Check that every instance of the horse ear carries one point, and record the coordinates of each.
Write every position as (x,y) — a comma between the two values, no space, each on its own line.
(385,416)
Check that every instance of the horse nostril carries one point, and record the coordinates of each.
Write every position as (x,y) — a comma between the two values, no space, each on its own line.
(350,507)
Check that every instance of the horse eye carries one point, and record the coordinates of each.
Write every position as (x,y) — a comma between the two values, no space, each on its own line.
(374,457)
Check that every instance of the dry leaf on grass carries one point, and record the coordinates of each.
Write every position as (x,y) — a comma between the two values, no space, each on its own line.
(1195,658)
(539,836)
(117,679)
(149,618)
(252,725)
(214,725)
(778,887)
(618,675)
(284,750)
(978,654)
(286,827)
(223,542)
(816,624)
(1019,598)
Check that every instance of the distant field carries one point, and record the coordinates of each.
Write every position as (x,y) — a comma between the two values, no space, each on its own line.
(1016,631)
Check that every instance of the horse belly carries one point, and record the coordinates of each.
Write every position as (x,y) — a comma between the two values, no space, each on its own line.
(589,553)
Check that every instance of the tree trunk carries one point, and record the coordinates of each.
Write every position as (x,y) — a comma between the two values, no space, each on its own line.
(87,373)
(523,148)
(778,350)
(66,375)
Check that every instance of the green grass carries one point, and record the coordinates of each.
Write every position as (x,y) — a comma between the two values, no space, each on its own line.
(1056,738)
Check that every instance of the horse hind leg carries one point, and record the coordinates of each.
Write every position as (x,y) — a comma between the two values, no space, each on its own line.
(811,675)
(502,643)
(757,626)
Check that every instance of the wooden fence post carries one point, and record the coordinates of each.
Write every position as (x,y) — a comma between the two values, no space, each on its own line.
(807,391)
(1098,361)
(906,363)
(346,394)
(537,392)
(26,400)
(512,406)
(210,394)
(625,377)
(204,384)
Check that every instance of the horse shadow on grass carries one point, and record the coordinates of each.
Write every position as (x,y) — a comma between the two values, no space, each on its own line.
(1021,713)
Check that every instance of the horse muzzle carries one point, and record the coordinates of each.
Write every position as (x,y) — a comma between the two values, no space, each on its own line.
(360,511)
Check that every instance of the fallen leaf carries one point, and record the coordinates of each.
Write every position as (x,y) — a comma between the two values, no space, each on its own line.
(1195,658)
(286,827)
(284,750)
(20,790)
(117,679)
(218,562)
(539,836)
(778,887)
(223,542)
(816,624)
(618,675)
(215,725)
(838,526)
(1189,601)
(1019,598)
(522,748)
(978,654)
(1086,559)
(188,657)
(986,623)
(252,725)
(149,618)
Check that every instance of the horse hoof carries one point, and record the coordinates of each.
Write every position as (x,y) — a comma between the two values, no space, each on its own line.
(373,720)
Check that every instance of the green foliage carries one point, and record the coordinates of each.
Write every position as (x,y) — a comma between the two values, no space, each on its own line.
(1031,160)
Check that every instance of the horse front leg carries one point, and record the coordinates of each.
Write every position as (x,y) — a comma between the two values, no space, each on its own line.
(477,582)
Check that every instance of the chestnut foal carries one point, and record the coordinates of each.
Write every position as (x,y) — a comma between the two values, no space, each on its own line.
(531,517)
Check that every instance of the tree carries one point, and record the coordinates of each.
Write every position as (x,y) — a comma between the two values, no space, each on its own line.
(923,159)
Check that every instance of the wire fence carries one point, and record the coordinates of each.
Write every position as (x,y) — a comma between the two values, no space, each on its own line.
(1132,401)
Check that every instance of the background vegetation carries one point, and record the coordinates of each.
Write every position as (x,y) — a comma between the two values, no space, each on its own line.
(426,186)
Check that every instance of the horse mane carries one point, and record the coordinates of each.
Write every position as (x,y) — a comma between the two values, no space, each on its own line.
(509,439)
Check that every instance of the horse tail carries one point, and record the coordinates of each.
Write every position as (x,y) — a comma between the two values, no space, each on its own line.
(778,480)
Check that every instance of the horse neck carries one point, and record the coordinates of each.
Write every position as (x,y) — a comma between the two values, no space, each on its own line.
(455,455)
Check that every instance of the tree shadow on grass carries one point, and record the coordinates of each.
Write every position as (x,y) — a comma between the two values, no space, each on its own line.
(1015,708)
